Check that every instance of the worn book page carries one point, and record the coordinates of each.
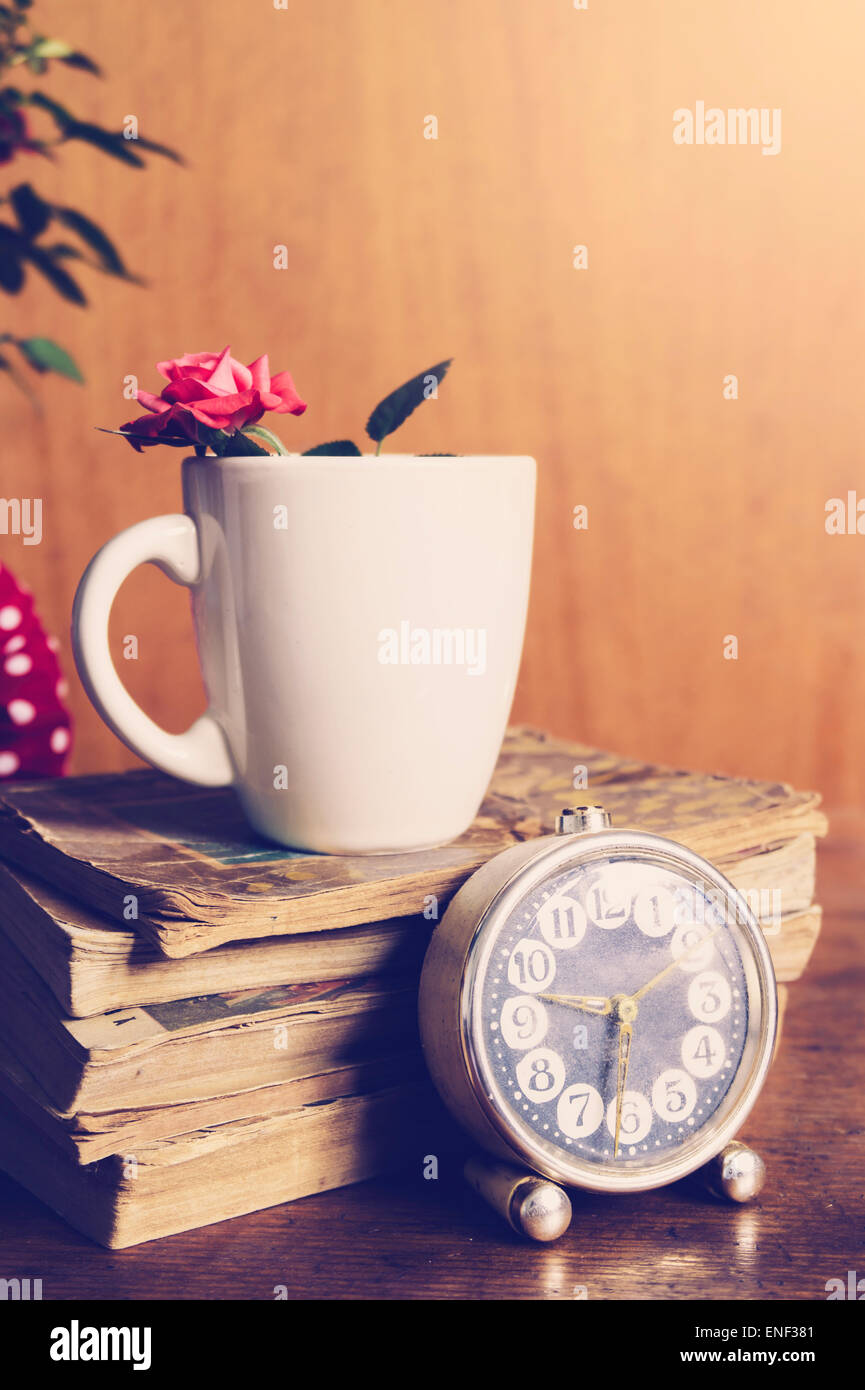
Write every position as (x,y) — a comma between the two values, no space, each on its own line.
(180,864)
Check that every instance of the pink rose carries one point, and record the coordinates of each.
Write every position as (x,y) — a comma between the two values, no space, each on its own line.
(211,390)
(14,135)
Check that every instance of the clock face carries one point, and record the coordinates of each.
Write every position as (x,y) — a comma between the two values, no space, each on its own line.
(616,1017)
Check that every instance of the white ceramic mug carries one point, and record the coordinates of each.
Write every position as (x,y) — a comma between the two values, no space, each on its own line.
(359,625)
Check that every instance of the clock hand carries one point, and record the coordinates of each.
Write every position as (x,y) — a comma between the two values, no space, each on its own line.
(626,1033)
(662,974)
(589,1003)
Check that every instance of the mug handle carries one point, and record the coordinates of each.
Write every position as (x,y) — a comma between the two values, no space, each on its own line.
(201,754)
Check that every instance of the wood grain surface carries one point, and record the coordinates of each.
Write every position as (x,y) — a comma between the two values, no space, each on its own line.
(405,1238)
(304,127)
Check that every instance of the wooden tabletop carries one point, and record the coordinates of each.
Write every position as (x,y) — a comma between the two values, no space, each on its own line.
(407,1238)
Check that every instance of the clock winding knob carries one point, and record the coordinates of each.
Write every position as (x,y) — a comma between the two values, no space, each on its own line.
(577,819)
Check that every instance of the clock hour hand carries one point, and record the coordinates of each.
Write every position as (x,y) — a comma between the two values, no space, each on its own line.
(588,1003)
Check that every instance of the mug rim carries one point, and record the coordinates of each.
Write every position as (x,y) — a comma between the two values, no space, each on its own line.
(352,460)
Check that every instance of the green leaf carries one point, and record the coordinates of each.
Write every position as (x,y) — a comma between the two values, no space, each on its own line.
(33,214)
(51,48)
(395,409)
(94,237)
(266,437)
(55,274)
(339,447)
(224,443)
(47,356)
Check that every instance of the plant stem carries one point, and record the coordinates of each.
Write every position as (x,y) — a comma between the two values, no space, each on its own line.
(378,449)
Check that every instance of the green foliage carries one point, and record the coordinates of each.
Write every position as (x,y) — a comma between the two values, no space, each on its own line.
(392,412)
(225,443)
(266,437)
(21,239)
(33,215)
(44,355)
(340,448)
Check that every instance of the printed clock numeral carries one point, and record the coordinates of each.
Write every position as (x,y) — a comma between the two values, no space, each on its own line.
(541,1074)
(532,966)
(655,911)
(685,949)
(608,904)
(636,1118)
(562,922)
(709,996)
(703,1051)
(523,1022)
(674,1095)
(580,1110)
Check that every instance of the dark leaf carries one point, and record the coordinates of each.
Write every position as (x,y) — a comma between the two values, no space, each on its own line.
(63,117)
(11,271)
(226,444)
(56,275)
(395,409)
(340,448)
(94,237)
(141,441)
(12,250)
(64,250)
(154,148)
(33,214)
(80,60)
(47,356)
(109,141)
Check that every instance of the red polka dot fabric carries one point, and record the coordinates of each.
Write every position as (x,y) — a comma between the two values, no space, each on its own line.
(35,726)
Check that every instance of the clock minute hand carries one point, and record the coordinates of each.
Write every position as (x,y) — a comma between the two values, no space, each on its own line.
(626,1034)
(588,1003)
(662,974)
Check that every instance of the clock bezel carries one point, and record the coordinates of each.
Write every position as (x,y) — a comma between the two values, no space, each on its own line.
(557,853)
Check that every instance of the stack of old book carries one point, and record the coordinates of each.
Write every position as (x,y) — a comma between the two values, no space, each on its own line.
(195,1024)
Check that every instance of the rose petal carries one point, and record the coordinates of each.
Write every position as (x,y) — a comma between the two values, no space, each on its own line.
(260,372)
(151,402)
(290,402)
(221,378)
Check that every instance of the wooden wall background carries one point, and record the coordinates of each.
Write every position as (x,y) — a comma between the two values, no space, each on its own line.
(304,126)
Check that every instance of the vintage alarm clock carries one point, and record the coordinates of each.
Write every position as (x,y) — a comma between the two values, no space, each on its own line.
(599,1006)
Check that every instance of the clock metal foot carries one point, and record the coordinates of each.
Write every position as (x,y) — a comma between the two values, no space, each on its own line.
(737,1174)
(533,1206)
